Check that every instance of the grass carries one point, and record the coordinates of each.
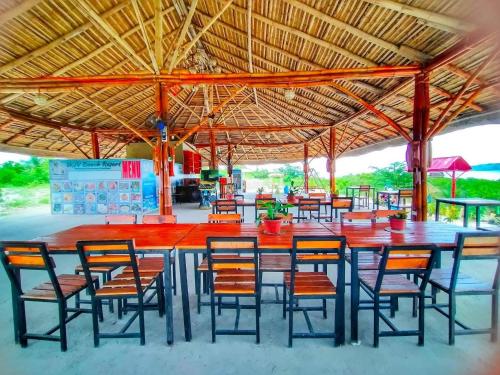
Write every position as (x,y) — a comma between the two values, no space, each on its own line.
(13,198)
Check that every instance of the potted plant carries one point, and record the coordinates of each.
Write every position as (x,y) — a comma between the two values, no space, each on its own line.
(291,196)
(271,220)
(398,221)
(260,191)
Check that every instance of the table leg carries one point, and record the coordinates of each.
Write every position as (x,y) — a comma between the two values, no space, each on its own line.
(167,285)
(378,198)
(243,213)
(354,297)
(185,295)
(436,214)
(466,216)
(478,217)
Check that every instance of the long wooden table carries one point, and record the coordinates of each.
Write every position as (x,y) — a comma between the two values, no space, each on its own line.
(371,237)
(195,243)
(149,239)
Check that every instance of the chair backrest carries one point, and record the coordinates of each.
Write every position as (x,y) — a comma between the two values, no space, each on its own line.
(108,253)
(224,218)
(263,196)
(364,187)
(317,195)
(357,215)
(121,219)
(259,203)
(225,205)
(405,193)
(159,219)
(477,246)
(404,260)
(342,203)
(383,214)
(23,255)
(224,254)
(285,219)
(309,204)
(318,250)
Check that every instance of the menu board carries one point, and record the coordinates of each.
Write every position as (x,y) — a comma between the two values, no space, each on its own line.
(97,186)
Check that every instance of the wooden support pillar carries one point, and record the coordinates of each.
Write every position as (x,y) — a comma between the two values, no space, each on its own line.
(306,168)
(165,192)
(95,145)
(213,151)
(230,160)
(331,160)
(419,147)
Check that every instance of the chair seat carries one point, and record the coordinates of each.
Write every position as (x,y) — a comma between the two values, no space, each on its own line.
(203,267)
(391,284)
(79,269)
(311,284)
(235,282)
(275,263)
(366,260)
(70,285)
(441,278)
(124,285)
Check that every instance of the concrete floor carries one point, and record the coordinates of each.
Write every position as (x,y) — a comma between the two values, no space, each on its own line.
(231,354)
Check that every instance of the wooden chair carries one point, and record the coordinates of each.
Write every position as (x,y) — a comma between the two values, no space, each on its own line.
(131,284)
(156,263)
(403,196)
(232,275)
(311,206)
(390,281)
(470,247)
(224,218)
(315,250)
(340,203)
(225,206)
(383,214)
(363,196)
(22,256)
(121,219)
(357,215)
(159,219)
(320,196)
(259,205)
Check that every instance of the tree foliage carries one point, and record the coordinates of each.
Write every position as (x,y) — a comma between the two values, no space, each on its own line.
(32,172)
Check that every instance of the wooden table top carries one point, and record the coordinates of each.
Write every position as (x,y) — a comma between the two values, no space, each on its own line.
(196,239)
(471,201)
(146,236)
(375,235)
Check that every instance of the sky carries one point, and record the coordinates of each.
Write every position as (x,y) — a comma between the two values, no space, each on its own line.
(477,145)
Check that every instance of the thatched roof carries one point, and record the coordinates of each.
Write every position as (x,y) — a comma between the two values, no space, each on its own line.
(62,38)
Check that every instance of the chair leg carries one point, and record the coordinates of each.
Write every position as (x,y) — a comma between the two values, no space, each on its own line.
(212,315)
(414,307)
(290,321)
(62,325)
(140,306)
(324,309)
(106,277)
(421,320)
(434,295)
(120,308)
(451,318)
(219,305)
(393,306)
(376,317)
(95,323)
(494,317)
(284,301)
(159,295)
(174,278)
(21,323)
(257,319)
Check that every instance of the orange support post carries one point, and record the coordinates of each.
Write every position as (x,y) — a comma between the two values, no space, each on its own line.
(230,160)
(419,147)
(95,145)
(331,160)
(165,196)
(306,168)
(213,151)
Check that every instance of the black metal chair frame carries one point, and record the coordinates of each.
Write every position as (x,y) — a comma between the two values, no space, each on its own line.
(293,300)
(375,295)
(336,209)
(211,277)
(96,300)
(309,205)
(18,299)
(453,293)
(400,199)
(258,205)
(363,195)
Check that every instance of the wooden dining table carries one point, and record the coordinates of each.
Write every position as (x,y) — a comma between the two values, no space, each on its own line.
(195,243)
(367,236)
(148,239)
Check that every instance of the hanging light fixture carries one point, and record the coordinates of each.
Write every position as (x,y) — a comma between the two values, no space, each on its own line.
(289,95)
(40,99)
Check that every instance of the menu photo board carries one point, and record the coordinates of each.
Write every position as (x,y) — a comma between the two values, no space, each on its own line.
(99,187)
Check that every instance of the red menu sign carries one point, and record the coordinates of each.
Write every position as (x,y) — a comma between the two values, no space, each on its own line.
(131,169)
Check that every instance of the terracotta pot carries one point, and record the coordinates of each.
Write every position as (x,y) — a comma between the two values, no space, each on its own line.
(258,196)
(290,200)
(272,226)
(229,196)
(397,224)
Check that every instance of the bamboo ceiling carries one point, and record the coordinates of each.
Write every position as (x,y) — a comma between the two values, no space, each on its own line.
(63,38)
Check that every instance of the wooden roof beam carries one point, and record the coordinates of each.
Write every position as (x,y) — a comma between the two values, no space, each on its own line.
(182,35)
(158,20)
(17,10)
(144,33)
(104,26)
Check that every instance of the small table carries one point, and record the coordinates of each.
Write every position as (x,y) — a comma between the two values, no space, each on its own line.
(466,203)
(389,193)
(370,189)
(149,239)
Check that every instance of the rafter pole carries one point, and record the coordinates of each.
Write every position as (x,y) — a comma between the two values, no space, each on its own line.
(193,41)
(144,33)
(182,35)
(17,10)
(377,112)
(249,43)
(113,34)
(74,143)
(158,19)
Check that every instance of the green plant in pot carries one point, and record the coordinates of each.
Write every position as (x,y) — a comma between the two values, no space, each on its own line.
(398,221)
(271,220)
